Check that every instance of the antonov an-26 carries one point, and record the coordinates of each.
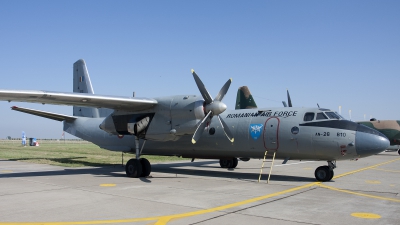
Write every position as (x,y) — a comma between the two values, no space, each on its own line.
(199,126)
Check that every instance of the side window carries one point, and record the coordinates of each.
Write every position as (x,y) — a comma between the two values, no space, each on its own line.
(321,116)
(309,116)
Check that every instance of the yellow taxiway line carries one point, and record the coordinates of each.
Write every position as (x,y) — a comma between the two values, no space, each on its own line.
(356,193)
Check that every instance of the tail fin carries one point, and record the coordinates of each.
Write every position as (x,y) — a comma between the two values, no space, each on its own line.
(244,99)
(82,84)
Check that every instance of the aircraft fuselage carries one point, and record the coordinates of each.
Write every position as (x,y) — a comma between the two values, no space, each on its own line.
(280,130)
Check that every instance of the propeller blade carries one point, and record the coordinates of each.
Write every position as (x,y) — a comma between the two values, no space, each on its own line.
(223,90)
(288,99)
(227,131)
(284,104)
(202,88)
(199,131)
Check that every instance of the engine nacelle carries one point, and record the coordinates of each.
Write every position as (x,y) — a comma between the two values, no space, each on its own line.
(171,118)
(175,117)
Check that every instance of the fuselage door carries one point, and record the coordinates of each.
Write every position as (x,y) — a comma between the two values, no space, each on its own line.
(271,129)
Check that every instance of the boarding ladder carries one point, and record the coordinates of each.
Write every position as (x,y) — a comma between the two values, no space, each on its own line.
(262,166)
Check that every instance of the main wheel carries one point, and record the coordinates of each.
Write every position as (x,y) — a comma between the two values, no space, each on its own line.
(146,167)
(398,151)
(331,174)
(226,163)
(323,173)
(133,168)
(234,163)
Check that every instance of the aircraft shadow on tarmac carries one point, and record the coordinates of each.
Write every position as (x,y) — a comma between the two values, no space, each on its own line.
(237,173)
(117,170)
(70,160)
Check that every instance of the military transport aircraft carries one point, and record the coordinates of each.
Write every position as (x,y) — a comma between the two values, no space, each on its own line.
(195,126)
(390,128)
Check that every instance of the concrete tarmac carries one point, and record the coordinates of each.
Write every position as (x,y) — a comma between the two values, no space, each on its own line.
(362,192)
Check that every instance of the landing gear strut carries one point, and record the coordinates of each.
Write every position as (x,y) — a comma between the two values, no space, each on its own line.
(138,167)
(228,163)
(325,173)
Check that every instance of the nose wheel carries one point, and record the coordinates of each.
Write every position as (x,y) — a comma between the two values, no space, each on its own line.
(325,173)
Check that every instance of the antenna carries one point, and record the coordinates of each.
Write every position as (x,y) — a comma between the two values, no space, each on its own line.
(365,116)
(340,110)
(350,114)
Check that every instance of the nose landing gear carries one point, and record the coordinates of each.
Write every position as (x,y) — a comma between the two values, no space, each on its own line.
(325,173)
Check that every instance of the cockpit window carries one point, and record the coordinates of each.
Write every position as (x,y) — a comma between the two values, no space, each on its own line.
(321,116)
(309,116)
(333,115)
(341,117)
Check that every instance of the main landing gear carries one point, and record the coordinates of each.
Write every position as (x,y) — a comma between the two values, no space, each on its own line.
(138,167)
(398,151)
(228,163)
(325,173)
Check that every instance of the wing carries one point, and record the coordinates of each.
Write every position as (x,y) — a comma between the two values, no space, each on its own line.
(78,99)
(48,115)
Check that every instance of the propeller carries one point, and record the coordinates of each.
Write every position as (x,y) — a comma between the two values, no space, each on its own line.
(212,108)
(289,100)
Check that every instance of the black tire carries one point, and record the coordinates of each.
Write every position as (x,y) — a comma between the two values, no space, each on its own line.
(225,163)
(323,173)
(146,167)
(332,173)
(133,168)
(398,151)
(234,163)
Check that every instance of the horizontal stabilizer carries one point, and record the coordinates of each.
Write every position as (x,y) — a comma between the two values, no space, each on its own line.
(48,115)
(78,99)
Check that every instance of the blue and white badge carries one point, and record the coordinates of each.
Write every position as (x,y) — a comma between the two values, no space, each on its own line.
(255,130)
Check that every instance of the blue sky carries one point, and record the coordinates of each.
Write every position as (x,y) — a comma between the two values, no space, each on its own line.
(328,52)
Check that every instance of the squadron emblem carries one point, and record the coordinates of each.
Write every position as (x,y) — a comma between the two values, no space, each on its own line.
(255,130)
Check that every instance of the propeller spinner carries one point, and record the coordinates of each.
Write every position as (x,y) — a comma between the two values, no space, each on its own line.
(212,108)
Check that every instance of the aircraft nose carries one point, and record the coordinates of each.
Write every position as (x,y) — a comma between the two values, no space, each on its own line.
(370,141)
